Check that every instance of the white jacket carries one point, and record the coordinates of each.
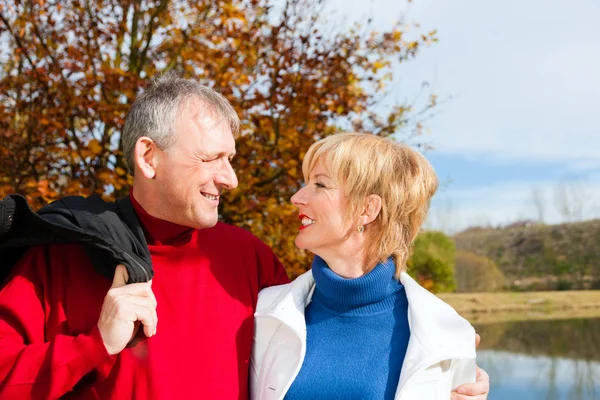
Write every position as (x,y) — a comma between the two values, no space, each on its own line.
(440,354)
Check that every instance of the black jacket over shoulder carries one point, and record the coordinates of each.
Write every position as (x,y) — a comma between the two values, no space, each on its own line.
(110,232)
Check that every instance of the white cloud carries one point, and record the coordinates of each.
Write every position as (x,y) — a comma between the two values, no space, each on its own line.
(523,75)
(455,209)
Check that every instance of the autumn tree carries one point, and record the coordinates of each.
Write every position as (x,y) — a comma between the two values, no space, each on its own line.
(71,69)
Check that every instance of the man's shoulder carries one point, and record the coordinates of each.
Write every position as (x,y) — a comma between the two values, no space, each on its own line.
(66,253)
(57,260)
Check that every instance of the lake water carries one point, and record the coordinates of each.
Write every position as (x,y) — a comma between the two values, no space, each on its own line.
(545,360)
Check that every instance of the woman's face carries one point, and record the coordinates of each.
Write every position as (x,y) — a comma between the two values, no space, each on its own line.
(322,209)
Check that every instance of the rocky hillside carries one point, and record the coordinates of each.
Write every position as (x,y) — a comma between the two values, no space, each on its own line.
(536,256)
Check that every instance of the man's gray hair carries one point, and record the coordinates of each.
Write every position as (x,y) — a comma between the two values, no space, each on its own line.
(154,112)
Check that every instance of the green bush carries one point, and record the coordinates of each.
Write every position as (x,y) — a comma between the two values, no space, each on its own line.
(432,261)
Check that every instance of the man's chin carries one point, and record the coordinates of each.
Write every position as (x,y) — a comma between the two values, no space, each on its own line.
(205,223)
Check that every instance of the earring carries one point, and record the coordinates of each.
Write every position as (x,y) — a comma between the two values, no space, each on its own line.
(361,229)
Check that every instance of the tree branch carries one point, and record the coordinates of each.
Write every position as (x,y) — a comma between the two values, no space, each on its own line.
(17,40)
(133,50)
(161,7)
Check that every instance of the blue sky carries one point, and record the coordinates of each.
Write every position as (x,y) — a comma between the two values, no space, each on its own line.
(523,83)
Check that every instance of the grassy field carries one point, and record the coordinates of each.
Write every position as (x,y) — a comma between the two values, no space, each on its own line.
(512,306)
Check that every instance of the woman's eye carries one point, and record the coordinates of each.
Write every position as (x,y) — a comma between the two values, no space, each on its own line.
(319,185)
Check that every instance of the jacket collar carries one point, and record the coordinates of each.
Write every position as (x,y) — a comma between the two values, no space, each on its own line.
(428,316)
(288,302)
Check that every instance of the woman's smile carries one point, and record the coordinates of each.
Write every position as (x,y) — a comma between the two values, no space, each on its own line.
(306,221)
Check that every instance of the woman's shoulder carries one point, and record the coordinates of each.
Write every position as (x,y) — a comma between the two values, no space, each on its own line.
(437,325)
(293,293)
(268,296)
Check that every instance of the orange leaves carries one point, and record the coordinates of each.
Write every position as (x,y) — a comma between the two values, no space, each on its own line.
(292,166)
(95,147)
(397,35)
(427,283)
(66,92)
(111,180)
(40,192)
(232,12)
(377,65)
(43,187)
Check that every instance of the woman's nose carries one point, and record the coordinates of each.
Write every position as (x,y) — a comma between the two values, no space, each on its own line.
(299,198)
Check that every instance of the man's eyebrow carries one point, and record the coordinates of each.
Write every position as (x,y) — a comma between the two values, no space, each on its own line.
(220,154)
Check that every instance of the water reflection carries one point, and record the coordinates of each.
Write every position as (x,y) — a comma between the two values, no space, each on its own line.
(518,376)
(546,360)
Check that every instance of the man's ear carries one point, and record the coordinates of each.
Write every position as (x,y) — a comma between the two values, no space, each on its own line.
(145,157)
(371,209)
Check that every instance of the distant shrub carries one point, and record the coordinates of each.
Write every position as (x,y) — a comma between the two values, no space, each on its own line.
(475,273)
(563,284)
(432,261)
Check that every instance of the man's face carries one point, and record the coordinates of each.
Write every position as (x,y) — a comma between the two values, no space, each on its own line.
(192,174)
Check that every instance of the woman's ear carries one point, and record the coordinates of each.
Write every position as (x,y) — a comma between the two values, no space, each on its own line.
(371,209)
(145,157)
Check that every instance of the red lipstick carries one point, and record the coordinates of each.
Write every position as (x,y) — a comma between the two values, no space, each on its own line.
(300,217)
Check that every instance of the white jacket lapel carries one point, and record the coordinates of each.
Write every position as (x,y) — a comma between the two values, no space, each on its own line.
(287,302)
(437,332)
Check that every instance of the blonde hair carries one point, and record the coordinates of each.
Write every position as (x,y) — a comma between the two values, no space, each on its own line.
(366,164)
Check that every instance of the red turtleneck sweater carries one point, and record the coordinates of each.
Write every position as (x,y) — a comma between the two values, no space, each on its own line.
(206,283)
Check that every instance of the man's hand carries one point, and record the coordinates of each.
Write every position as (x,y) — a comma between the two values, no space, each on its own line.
(474,391)
(124,307)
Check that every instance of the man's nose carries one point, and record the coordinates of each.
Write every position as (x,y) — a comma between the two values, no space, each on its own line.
(227,177)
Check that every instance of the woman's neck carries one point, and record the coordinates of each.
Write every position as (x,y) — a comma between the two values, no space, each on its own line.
(349,265)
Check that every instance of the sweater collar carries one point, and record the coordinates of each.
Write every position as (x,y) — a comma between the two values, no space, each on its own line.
(371,293)
(160,232)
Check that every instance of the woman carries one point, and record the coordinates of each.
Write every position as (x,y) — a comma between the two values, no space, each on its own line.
(357,326)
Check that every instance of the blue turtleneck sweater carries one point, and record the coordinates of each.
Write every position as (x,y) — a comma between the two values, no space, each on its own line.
(356,336)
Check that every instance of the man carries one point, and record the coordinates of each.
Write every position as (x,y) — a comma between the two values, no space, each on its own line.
(66,331)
